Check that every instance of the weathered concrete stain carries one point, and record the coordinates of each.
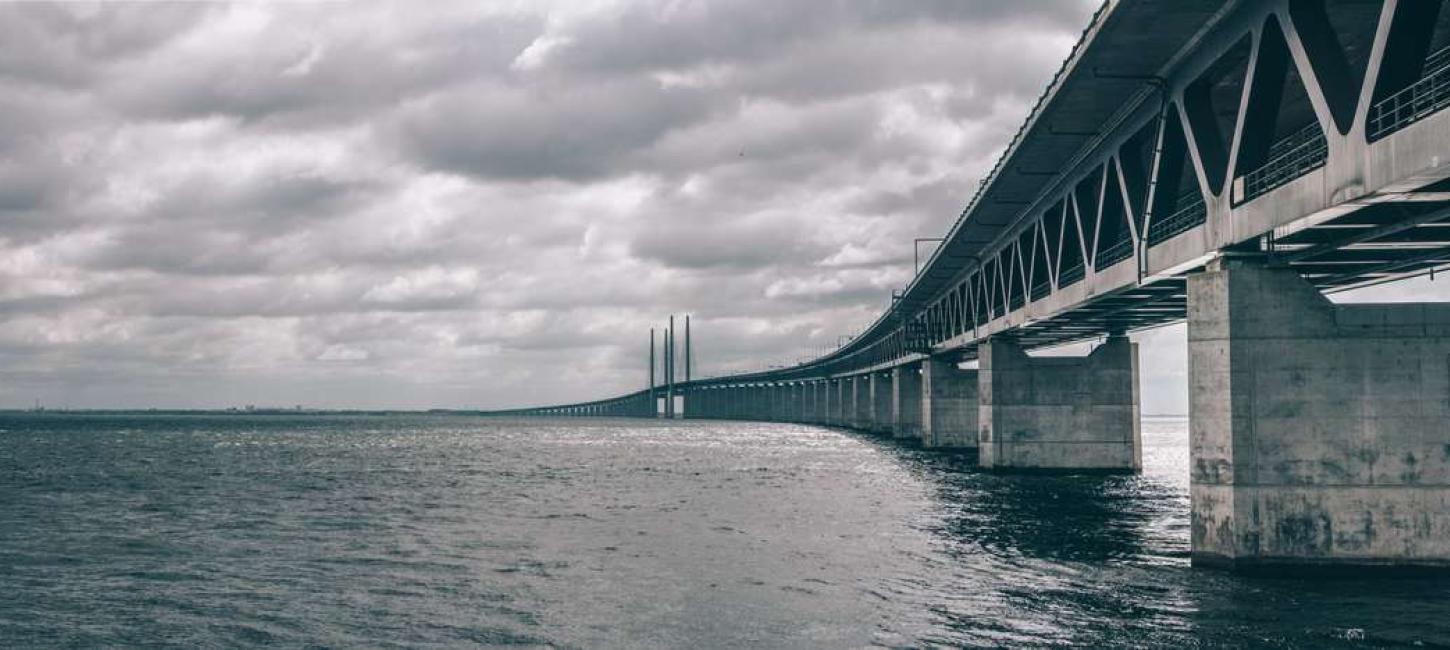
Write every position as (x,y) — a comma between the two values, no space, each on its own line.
(1318,431)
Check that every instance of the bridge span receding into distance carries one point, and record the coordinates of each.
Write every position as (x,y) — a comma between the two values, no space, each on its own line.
(1221,163)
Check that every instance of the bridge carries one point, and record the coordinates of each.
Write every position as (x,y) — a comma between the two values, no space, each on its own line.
(1221,163)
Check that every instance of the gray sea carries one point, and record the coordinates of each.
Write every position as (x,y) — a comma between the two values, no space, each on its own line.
(454,531)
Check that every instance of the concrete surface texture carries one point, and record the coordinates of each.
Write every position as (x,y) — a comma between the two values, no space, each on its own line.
(948,405)
(1060,413)
(1319,433)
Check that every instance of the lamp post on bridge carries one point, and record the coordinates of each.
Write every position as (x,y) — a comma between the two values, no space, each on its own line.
(916,251)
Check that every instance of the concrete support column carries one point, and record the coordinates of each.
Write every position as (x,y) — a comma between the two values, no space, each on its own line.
(861,402)
(881,392)
(1060,413)
(829,399)
(905,402)
(1320,433)
(782,403)
(792,412)
(808,402)
(949,405)
(818,412)
(839,396)
(787,405)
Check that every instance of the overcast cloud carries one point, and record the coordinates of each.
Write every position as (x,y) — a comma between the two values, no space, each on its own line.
(376,204)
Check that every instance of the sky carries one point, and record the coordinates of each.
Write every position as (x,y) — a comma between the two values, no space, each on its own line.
(483,204)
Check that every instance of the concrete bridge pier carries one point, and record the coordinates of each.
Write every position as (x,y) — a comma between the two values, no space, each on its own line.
(1060,413)
(842,411)
(1320,433)
(780,402)
(861,390)
(949,409)
(823,402)
(880,389)
(905,402)
(829,399)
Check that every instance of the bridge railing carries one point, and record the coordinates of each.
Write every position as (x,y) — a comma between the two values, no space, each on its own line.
(1041,290)
(1114,253)
(1071,275)
(1296,155)
(1416,101)
(1190,213)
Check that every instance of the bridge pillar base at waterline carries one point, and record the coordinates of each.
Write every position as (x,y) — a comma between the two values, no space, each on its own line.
(840,402)
(949,405)
(1060,414)
(905,402)
(859,403)
(879,405)
(1319,433)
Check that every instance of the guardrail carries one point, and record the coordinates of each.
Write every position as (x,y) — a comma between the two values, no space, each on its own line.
(1190,213)
(1071,275)
(1040,291)
(1415,102)
(1289,158)
(1114,253)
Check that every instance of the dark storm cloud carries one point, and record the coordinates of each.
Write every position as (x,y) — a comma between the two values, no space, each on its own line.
(464,204)
(647,36)
(689,243)
(70,44)
(574,131)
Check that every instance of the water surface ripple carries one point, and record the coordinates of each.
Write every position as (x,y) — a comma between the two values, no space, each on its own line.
(445,531)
